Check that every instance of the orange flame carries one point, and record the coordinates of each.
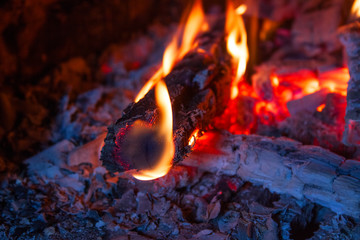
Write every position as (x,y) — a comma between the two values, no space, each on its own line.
(149,85)
(165,129)
(195,23)
(355,9)
(193,137)
(236,43)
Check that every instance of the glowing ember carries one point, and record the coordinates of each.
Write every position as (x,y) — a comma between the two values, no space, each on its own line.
(165,129)
(335,80)
(195,23)
(275,81)
(248,109)
(236,43)
(321,107)
(244,114)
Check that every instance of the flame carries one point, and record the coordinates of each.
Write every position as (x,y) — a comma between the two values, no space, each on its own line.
(236,43)
(193,137)
(355,9)
(186,33)
(240,10)
(194,23)
(149,85)
(165,129)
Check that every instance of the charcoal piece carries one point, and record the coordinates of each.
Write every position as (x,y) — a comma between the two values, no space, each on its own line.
(228,221)
(350,37)
(199,88)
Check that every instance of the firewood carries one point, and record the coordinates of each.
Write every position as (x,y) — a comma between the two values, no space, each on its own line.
(199,88)
(350,37)
(283,166)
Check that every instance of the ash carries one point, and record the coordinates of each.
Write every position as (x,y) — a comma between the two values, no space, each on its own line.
(58,201)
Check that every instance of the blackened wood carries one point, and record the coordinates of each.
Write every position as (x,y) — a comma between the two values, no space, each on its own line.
(283,166)
(199,88)
(350,37)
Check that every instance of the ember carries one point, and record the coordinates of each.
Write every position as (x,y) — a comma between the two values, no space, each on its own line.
(216,120)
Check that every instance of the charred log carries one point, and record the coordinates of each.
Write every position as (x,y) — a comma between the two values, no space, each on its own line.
(350,38)
(199,88)
(283,166)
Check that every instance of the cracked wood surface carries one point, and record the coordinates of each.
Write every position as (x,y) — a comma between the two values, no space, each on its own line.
(283,166)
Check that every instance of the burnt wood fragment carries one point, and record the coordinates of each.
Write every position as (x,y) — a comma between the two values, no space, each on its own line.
(283,166)
(199,88)
(350,37)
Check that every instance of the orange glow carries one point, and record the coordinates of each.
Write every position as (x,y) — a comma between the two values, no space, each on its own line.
(194,23)
(149,85)
(275,81)
(320,108)
(355,9)
(335,80)
(244,115)
(240,10)
(312,85)
(236,43)
(169,57)
(193,137)
(165,129)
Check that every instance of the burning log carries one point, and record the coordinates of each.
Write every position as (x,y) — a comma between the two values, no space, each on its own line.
(199,88)
(283,166)
(350,38)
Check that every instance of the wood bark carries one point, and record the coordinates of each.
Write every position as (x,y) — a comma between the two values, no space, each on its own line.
(350,37)
(283,166)
(199,88)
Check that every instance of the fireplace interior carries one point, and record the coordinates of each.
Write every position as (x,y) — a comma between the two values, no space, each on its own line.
(129,119)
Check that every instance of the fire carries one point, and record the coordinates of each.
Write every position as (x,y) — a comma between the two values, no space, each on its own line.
(355,9)
(275,80)
(194,24)
(182,42)
(335,80)
(189,28)
(236,43)
(250,109)
(149,85)
(193,137)
(165,129)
